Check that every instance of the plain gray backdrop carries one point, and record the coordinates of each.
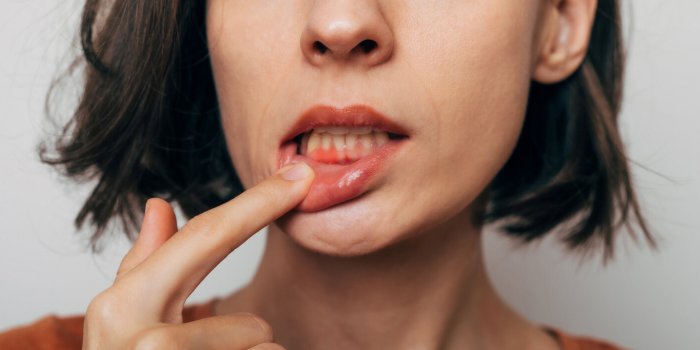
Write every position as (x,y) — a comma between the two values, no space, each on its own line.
(643,300)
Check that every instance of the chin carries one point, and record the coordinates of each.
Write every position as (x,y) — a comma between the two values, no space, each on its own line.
(349,229)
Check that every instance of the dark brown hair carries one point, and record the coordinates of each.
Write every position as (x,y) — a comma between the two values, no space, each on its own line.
(147,125)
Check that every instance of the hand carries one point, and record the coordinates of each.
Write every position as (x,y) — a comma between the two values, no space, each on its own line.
(143,307)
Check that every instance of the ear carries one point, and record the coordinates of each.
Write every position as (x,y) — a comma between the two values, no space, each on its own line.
(563,38)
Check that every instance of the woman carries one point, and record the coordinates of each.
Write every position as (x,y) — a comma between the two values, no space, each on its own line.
(376,137)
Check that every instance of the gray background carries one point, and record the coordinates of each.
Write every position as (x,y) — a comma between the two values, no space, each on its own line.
(643,300)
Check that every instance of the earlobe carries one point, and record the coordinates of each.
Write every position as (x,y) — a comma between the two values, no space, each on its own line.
(564,39)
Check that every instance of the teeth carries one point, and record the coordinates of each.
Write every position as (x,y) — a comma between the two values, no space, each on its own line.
(350,147)
(360,131)
(365,140)
(340,130)
(339,141)
(313,143)
(350,141)
(326,140)
(341,144)
(381,138)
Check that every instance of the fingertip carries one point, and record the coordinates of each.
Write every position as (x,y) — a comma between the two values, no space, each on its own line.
(296,171)
(155,201)
(159,207)
(151,203)
(159,218)
(158,226)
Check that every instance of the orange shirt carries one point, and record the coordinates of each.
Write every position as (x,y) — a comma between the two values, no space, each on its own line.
(64,333)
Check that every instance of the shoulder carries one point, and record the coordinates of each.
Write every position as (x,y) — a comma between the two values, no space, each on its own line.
(572,342)
(54,332)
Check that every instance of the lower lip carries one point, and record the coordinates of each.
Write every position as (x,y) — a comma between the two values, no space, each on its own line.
(335,183)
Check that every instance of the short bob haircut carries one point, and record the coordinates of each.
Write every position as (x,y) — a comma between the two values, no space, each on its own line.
(147,124)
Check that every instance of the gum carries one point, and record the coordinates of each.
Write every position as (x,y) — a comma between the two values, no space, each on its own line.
(345,156)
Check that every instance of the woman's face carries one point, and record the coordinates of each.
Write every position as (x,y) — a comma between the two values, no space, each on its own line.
(453,74)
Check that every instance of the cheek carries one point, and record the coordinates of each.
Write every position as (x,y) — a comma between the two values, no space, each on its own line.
(247,76)
(476,75)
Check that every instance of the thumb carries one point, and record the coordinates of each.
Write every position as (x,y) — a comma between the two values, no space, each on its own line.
(159,224)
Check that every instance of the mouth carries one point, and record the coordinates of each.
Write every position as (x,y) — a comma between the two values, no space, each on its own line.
(347,149)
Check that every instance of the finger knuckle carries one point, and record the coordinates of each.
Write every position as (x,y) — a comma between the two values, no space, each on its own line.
(104,308)
(199,224)
(260,324)
(268,346)
(152,339)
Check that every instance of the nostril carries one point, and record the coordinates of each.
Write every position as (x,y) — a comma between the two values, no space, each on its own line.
(318,46)
(368,45)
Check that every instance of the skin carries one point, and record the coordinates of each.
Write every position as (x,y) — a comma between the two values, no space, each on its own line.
(396,268)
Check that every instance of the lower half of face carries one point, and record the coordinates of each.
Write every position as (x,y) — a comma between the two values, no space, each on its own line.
(457,80)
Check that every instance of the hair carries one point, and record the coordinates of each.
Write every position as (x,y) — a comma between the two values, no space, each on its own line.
(147,124)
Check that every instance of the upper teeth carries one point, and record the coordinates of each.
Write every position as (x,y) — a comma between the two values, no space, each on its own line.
(339,130)
(349,144)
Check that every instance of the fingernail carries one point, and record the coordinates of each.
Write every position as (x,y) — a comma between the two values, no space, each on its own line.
(296,171)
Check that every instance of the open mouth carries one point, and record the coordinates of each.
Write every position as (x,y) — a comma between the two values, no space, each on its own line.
(342,145)
(347,148)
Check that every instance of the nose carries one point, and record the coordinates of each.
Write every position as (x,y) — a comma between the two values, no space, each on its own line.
(347,31)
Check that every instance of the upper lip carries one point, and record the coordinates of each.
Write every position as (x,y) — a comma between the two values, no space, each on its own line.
(349,116)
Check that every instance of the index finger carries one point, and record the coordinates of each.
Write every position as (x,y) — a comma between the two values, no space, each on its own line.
(181,263)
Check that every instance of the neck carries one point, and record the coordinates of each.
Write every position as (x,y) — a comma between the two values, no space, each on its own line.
(426,292)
